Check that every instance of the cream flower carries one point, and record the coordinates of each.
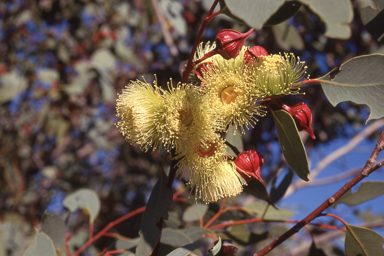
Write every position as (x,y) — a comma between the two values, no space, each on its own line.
(187,118)
(230,93)
(209,173)
(139,109)
(276,74)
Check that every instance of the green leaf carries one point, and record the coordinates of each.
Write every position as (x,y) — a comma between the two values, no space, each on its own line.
(54,227)
(373,20)
(272,213)
(291,143)
(42,247)
(363,241)
(287,37)
(369,216)
(156,211)
(124,244)
(258,190)
(336,14)
(240,236)
(314,251)
(367,191)
(278,192)
(185,250)
(216,249)
(251,12)
(233,136)
(195,212)
(85,199)
(360,80)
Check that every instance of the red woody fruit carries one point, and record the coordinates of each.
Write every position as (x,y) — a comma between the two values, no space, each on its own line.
(248,164)
(253,53)
(302,116)
(229,42)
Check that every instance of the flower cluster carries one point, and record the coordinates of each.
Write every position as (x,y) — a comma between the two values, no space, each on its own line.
(227,85)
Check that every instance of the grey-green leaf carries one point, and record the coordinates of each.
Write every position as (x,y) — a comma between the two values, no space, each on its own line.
(367,191)
(195,212)
(157,210)
(278,192)
(336,14)
(185,250)
(360,80)
(233,136)
(258,190)
(291,143)
(42,247)
(258,208)
(314,251)
(126,244)
(373,20)
(363,241)
(86,199)
(54,227)
(174,237)
(252,12)
(287,37)
(216,249)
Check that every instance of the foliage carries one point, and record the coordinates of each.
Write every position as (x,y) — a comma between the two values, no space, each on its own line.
(58,83)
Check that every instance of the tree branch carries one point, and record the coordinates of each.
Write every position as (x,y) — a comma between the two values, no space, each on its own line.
(368,168)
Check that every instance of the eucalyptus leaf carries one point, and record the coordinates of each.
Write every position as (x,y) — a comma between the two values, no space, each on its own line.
(373,20)
(195,233)
(54,227)
(156,211)
(278,192)
(291,143)
(287,37)
(251,12)
(314,251)
(272,213)
(258,190)
(336,14)
(42,247)
(233,136)
(216,249)
(360,80)
(240,236)
(367,191)
(286,11)
(195,212)
(363,241)
(185,250)
(85,199)
(174,237)
(124,244)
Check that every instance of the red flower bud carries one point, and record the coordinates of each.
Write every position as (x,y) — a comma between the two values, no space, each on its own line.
(248,164)
(202,68)
(302,116)
(253,53)
(229,42)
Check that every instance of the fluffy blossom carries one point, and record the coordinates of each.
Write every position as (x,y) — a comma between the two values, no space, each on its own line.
(275,74)
(209,173)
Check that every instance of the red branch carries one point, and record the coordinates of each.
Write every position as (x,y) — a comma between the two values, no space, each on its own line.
(368,169)
(209,17)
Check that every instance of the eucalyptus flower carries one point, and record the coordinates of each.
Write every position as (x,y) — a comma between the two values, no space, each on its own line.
(209,172)
(139,110)
(275,74)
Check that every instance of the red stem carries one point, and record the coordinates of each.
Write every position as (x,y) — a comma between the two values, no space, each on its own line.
(209,17)
(217,215)
(368,168)
(336,217)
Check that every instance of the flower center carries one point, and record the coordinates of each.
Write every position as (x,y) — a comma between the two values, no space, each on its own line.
(185,117)
(229,95)
(206,150)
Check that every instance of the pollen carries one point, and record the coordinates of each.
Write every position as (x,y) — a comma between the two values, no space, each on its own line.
(229,95)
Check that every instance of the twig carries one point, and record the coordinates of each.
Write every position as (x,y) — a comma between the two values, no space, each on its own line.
(337,154)
(217,215)
(368,168)
(209,17)
(167,36)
